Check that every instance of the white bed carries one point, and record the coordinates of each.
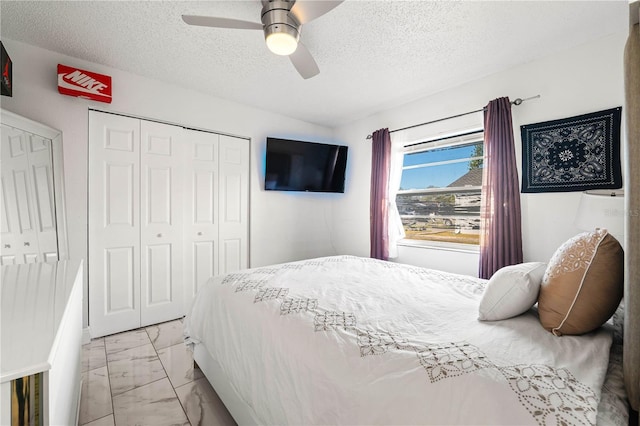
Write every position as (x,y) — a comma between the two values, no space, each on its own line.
(347,340)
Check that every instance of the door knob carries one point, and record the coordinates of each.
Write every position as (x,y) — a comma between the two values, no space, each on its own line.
(159,235)
(27,244)
(199,233)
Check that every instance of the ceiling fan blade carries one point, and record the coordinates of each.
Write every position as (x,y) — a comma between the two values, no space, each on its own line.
(304,62)
(212,21)
(305,11)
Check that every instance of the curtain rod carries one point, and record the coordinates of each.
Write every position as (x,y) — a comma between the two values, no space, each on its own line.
(517,101)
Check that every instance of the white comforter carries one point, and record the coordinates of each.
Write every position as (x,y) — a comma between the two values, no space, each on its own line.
(346,340)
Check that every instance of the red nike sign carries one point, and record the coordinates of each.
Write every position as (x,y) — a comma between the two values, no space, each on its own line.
(84,84)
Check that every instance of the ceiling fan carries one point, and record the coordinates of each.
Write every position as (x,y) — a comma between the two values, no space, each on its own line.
(281,23)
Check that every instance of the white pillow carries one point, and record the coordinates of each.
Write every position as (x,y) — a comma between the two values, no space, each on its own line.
(511,291)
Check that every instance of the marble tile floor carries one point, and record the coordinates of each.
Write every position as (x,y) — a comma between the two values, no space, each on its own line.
(146,377)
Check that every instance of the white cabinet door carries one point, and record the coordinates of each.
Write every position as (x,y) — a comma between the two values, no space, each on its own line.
(161,189)
(201,211)
(114,223)
(27,203)
(234,203)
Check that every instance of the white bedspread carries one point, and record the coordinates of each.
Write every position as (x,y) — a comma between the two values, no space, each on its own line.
(346,340)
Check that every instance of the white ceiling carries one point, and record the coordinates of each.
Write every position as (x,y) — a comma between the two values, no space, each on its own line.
(372,54)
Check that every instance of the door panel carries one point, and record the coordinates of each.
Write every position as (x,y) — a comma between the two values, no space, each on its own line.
(232,254)
(234,201)
(159,261)
(23,201)
(51,257)
(119,204)
(114,225)
(203,264)
(161,207)
(4,209)
(159,195)
(201,211)
(120,139)
(156,142)
(204,196)
(120,280)
(41,167)
(44,198)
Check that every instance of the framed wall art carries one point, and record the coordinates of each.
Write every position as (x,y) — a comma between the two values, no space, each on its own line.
(572,154)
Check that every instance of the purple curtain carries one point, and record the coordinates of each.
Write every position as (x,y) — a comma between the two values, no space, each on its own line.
(500,227)
(380,162)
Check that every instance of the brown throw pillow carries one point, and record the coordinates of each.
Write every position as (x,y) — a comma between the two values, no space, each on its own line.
(583,284)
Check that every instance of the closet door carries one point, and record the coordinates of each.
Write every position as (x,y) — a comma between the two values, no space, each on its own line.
(27,203)
(40,163)
(19,235)
(201,211)
(161,187)
(114,223)
(234,203)
(168,208)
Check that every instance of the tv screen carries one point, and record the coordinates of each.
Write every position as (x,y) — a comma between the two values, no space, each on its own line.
(304,166)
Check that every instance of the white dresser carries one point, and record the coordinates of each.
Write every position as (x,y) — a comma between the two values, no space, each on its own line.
(41,336)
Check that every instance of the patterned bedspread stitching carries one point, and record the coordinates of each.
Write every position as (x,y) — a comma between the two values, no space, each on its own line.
(297,304)
(552,395)
(372,342)
(270,293)
(443,361)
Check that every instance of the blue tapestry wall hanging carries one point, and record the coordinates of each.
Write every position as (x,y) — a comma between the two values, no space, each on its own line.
(572,154)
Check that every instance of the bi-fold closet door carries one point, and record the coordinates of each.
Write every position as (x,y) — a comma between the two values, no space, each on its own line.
(27,204)
(135,218)
(168,208)
(216,211)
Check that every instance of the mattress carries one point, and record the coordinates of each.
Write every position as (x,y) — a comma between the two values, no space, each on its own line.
(348,340)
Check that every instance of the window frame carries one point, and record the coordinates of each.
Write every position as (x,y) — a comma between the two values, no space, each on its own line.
(460,138)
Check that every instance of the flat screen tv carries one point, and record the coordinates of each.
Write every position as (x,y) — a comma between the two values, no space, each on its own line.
(304,166)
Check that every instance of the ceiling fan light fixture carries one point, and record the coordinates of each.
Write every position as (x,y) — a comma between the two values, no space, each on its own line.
(281,29)
(281,22)
(282,43)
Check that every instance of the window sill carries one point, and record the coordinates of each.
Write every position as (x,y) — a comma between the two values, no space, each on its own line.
(434,245)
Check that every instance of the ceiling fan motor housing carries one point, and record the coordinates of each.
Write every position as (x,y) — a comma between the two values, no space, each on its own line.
(277,19)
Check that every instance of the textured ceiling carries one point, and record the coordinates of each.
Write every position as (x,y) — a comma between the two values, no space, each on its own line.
(371,54)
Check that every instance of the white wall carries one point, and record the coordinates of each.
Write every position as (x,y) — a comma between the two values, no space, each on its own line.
(283,226)
(290,226)
(585,79)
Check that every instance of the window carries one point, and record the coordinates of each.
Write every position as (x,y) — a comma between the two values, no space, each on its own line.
(440,191)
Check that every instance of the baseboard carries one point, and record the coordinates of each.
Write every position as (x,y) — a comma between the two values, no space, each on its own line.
(86,335)
(77,422)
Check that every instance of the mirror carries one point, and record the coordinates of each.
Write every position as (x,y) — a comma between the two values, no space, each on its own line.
(32,213)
